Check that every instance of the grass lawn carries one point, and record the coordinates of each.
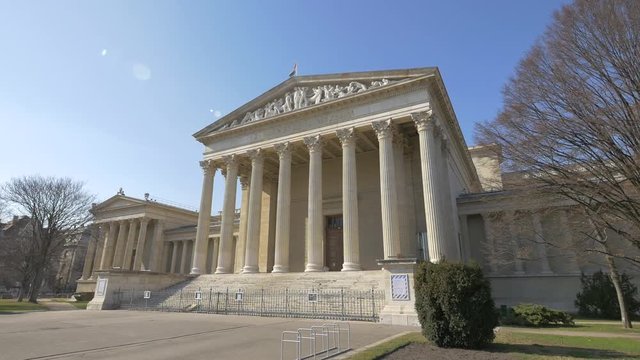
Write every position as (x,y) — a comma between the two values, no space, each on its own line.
(79,304)
(532,346)
(12,306)
(596,327)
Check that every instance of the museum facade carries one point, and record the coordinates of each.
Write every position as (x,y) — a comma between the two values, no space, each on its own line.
(346,173)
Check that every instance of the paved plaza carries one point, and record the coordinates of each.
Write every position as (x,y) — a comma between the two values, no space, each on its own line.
(154,335)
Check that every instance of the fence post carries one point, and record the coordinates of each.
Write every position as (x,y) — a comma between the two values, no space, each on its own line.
(131,302)
(180,301)
(226,302)
(286,299)
(261,300)
(373,305)
(210,293)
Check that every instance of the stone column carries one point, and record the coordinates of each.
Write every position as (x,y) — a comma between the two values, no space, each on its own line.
(388,190)
(510,219)
(464,231)
(490,236)
(88,259)
(228,214)
(163,259)
(128,250)
(215,242)
(351,231)
(253,221)
(157,248)
(241,244)
(174,257)
(434,210)
(97,258)
(204,218)
(138,264)
(120,244)
(567,234)
(406,236)
(184,269)
(283,212)
(314,246)
(451,241)
(109,243)
(539,241)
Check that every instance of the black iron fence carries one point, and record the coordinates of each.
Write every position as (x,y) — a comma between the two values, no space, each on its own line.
(335,304)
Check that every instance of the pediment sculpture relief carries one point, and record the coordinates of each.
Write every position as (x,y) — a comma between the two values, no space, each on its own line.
(302,97)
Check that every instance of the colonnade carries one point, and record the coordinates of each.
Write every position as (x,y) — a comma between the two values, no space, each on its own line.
(121,245)
(437,200)
(506,240)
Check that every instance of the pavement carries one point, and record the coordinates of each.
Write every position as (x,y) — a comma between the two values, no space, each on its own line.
(120,334)
(56,305)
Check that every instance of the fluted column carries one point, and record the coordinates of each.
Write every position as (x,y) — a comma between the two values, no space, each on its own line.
(567,234)
(283,213)
(204,217)
(228,215)
(253,220)
(174,257)
(490,236)
(388,190)
(351,232)
(406,236)
(184,256)
(138,264)
(88,259)
(453,250)
(540,243)
(157,248)
(433,209)
(109,245)
(128,250)
(120,244)
(315,258)
(103,231)
(215,243)
(241,244)
(510,219)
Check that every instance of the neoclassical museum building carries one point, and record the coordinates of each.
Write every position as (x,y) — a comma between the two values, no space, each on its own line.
(342,176)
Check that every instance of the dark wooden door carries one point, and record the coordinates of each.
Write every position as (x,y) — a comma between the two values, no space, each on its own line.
(333,245)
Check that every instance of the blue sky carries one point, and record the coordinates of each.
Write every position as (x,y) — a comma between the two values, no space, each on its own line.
(110,92)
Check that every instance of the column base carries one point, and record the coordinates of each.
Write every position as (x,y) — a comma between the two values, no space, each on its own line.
(249,270)
(314,268)
(222,271)
(194,271)
(280,269)
(351,267)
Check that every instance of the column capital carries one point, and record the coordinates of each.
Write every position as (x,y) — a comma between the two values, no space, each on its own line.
(283,149)
(424,120)
(208,167)
(383,128)
(314,143)
(244,182)
(144,221)
(255,155)
(347,136)
(230,160)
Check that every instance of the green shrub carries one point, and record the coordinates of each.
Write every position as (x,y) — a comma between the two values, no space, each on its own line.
(83,296)
(454,305)
(534,315)
(598,298)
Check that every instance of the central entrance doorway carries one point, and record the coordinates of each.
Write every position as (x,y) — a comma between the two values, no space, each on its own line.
(333,244)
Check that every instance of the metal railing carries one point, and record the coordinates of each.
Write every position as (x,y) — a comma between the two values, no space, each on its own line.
(329,335)
(335,304)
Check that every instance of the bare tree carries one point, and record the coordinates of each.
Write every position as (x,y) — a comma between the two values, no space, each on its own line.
(571,117)
(58,208)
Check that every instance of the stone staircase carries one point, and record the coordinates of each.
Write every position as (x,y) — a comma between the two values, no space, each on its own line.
(356,295)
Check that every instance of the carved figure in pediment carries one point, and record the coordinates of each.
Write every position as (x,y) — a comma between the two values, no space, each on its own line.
(269,110)
(355,87)
(258,114)
(300,97)
(288,102)
(328,92)
(317,95)
(378,83)
(340,91)
(247,118)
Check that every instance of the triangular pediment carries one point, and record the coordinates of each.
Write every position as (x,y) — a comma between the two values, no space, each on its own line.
(301,92)
(117,202)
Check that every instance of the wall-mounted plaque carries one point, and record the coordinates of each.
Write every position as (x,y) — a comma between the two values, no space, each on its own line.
(400,287)
(101,287)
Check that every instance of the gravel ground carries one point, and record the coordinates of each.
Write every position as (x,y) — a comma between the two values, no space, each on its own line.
(424,351)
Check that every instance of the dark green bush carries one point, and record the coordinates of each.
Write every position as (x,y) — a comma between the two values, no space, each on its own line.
(598,297)
(83,296)
(534,315)
(454,305)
